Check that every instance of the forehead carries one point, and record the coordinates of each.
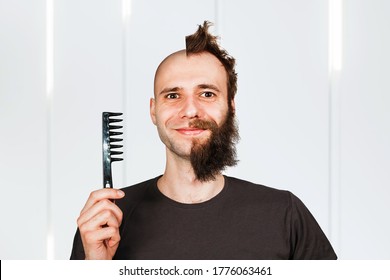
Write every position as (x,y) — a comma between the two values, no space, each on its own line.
(195,68)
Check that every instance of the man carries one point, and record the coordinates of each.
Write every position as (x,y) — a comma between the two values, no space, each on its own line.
(192,211)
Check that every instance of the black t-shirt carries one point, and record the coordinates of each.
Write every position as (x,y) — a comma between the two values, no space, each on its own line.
(244,221)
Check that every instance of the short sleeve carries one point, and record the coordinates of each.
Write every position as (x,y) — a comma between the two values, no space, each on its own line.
(308,241)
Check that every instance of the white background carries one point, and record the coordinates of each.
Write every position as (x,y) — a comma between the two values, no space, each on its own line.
(320,133)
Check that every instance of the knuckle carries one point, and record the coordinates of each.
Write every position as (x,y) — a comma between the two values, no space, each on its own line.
(93,195)
(105,203)
(88,237)
(120,215)
(82,228)
(117,238)
(112,230)
(79,222)
(115,233)
(106,213)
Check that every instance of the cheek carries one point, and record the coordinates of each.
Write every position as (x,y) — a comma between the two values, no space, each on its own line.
(219,113)
(165,115)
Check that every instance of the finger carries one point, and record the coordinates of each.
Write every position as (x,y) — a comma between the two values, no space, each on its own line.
(114,240)
(102,219)
(101,194)
(99,236)
(95,234)
(101,210)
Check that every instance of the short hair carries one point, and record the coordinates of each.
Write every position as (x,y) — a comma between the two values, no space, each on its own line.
(203,41)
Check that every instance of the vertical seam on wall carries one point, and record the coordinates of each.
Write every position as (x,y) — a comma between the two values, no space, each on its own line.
(49,96)
(335,65)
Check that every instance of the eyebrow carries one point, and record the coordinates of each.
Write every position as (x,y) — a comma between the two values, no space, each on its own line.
(170,89)
(201,86)
(208,86)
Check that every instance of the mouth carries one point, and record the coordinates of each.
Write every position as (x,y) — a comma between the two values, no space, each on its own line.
(196,128)
(190,131)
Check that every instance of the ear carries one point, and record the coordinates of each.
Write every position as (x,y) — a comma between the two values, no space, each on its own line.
(152,106)
(233,104)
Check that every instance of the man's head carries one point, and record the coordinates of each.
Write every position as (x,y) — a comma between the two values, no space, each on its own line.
(193,107)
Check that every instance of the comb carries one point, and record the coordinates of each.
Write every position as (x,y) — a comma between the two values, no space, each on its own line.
(110,144)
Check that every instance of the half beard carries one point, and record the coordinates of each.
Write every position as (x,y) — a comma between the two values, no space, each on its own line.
(211,158)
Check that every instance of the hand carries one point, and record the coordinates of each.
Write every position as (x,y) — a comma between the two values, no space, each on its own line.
(99,223)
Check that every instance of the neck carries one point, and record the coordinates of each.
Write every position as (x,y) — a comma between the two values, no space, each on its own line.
(179,183)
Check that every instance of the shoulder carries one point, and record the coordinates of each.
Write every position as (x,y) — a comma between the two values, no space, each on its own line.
(266,195)
(308,241)
(258,191)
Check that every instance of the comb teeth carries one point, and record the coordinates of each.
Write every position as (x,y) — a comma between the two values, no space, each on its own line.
(111,114)
(115,140)
(112,119)
(116,146)
(110,138)
(115,127)
(114,133)
(109,134)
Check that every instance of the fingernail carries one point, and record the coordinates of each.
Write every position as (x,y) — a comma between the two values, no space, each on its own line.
(120,193)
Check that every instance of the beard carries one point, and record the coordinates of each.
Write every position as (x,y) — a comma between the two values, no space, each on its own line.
(210,158)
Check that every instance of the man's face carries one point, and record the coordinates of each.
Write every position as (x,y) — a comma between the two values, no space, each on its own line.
(189,90)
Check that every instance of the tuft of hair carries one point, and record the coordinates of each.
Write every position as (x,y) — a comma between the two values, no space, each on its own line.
(203,41)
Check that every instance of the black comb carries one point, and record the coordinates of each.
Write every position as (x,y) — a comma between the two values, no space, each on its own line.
(110,143)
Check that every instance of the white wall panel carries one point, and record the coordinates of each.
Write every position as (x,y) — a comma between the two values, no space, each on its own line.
(365,131)
(23,198)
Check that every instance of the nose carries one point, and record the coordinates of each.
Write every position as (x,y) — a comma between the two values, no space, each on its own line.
(190,108)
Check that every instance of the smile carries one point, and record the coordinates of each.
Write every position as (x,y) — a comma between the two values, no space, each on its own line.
(190,131)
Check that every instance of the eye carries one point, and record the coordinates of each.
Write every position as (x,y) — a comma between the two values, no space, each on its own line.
(172,95)
(208,94)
